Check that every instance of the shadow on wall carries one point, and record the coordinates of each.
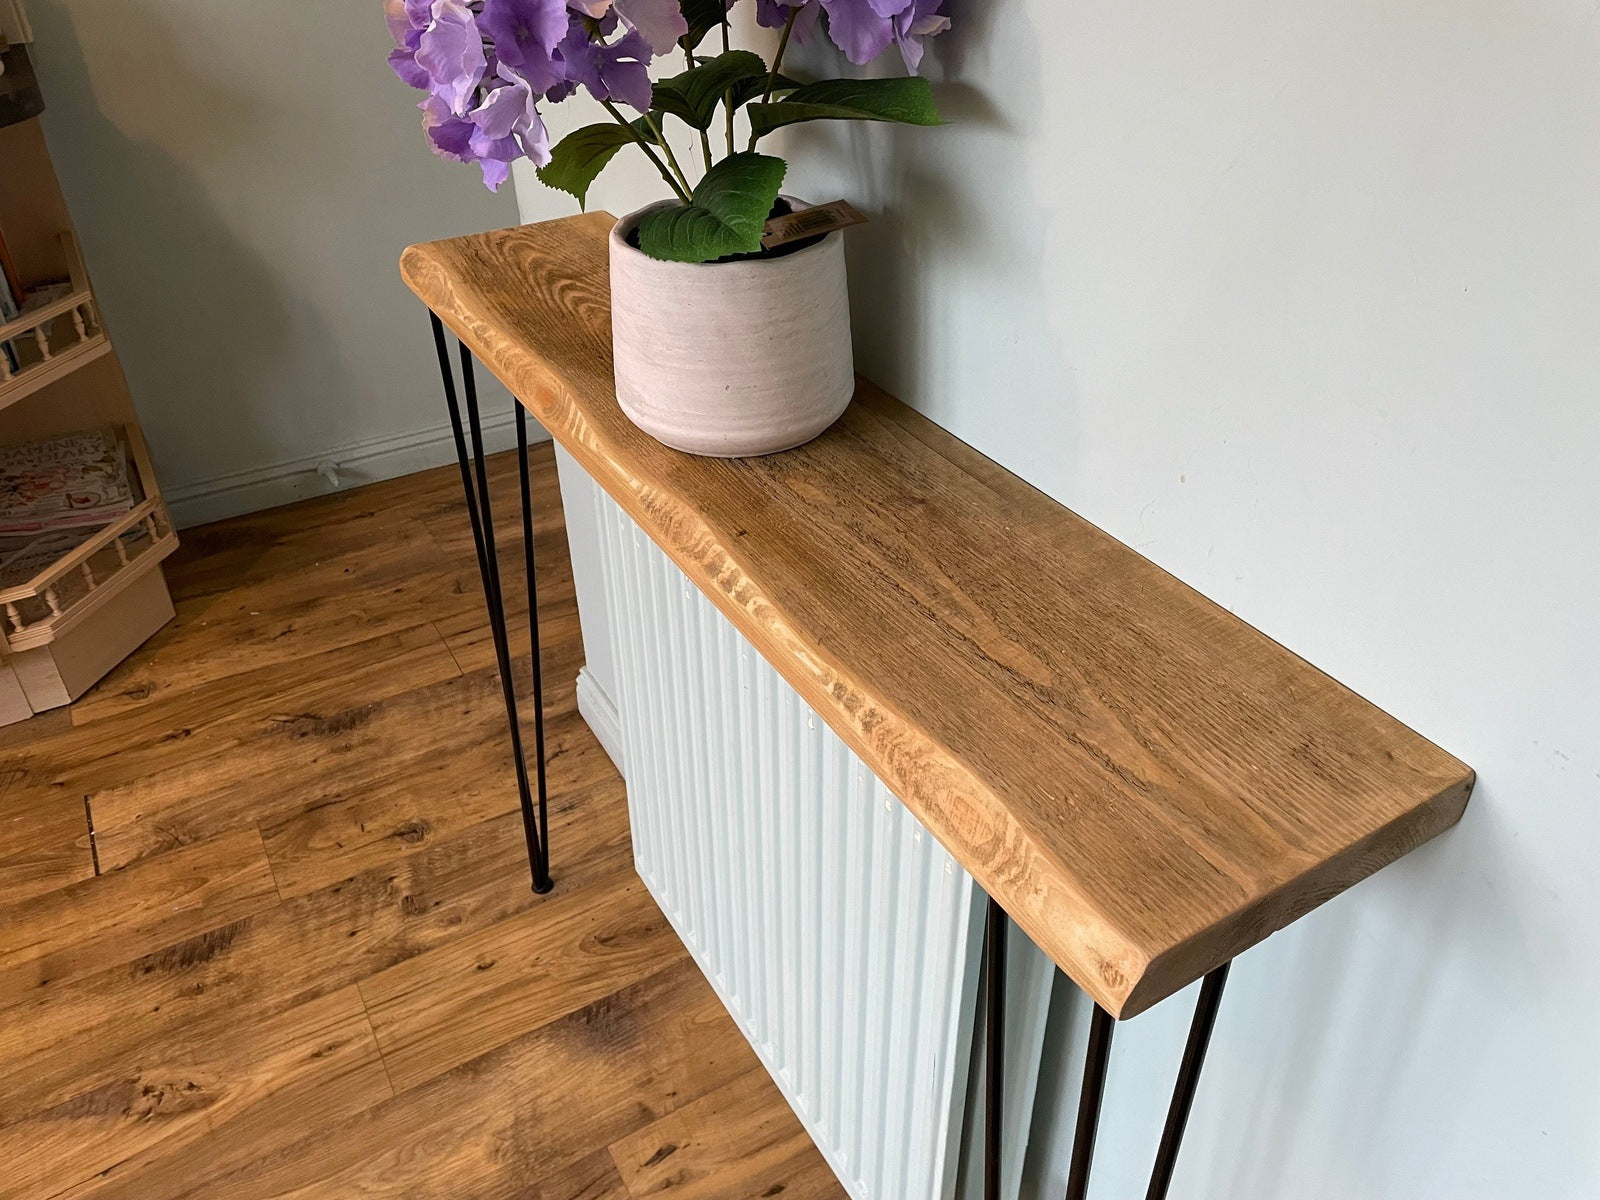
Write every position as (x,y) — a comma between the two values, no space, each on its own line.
(934,196)
(201,323)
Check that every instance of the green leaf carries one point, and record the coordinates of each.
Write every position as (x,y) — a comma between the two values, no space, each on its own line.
(641,126)
(908,101)
(693,96)
(580,156)
(731,205)
(703,16)
(753,89)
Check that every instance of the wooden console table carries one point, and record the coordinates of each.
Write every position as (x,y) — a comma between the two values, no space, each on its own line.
(1146,784)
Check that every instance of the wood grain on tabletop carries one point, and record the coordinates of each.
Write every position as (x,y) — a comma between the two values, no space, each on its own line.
(1145,782)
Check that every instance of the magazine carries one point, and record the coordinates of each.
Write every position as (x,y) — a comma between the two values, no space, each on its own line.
(71,480)
(20,564)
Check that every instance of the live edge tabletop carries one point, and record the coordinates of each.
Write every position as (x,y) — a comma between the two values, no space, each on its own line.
(1147,784)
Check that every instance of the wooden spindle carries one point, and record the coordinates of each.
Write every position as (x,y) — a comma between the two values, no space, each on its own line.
(53,601)
(122,550)
(17,625)
(42,341)
(78,322)
(88,575)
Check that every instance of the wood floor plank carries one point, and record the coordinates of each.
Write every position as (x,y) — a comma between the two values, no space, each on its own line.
(77,1034)
(219,716)
(451,1005)
(277,543)
(44,841)
(337,602)
(317,761)
(162,1036)
(253,1077)
(514,1124)
(112,919)
(738,1142)
(470,779)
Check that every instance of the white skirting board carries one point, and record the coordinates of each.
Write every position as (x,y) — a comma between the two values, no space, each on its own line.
(844,940)
(339,467)
(600,711)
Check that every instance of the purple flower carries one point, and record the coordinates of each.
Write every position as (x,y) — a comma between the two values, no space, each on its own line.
(609,71)
(407,19)
(525,34)
(449,136)
(504,127)
(774,14)
(450,50)
(660,22)
(507,126)
(861,28)
(921,20)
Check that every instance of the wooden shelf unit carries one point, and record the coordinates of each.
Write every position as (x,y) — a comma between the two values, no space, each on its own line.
(56,338)
(82,582)
(63,629)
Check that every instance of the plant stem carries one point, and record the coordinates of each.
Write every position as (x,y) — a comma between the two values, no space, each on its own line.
(727,97)
(672,159)
(777,62)
(649,153)
(705,138)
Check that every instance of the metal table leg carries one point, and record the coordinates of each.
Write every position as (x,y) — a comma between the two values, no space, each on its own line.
(475,484)
(1095,1066)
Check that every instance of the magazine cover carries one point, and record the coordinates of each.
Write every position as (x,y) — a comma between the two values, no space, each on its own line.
(66,481)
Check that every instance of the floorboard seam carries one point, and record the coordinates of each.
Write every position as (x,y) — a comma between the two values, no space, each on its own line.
(271,870)
(449,649)
(94,849)
(383,1059)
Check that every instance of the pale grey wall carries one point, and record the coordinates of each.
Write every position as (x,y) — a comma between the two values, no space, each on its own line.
(244,177)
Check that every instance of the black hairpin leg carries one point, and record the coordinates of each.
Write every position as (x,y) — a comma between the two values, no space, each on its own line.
(1194,1057)
(994,936)
(1101,1028)
(475,483)
(1094,1087)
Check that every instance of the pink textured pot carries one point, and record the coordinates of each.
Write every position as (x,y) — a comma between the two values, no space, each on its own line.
(731,359)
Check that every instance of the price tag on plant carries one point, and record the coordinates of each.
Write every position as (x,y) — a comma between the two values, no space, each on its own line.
(810,222)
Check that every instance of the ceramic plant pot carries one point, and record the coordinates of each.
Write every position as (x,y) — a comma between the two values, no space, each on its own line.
(736,358)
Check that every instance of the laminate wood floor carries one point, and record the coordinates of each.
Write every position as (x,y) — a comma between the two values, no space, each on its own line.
(265,921)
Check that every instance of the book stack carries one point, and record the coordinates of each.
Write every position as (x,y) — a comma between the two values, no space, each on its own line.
(57,493)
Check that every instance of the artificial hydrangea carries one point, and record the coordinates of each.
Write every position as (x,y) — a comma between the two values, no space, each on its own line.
(487,64)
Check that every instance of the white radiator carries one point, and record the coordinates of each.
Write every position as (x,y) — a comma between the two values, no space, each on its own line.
(840,935)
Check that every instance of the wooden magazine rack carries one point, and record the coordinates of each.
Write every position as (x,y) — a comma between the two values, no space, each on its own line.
(62,629)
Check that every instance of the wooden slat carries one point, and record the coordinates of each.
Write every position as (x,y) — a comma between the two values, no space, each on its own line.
(39,375)
(1146,783)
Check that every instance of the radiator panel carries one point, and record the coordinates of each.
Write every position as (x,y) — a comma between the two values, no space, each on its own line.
(840,935)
